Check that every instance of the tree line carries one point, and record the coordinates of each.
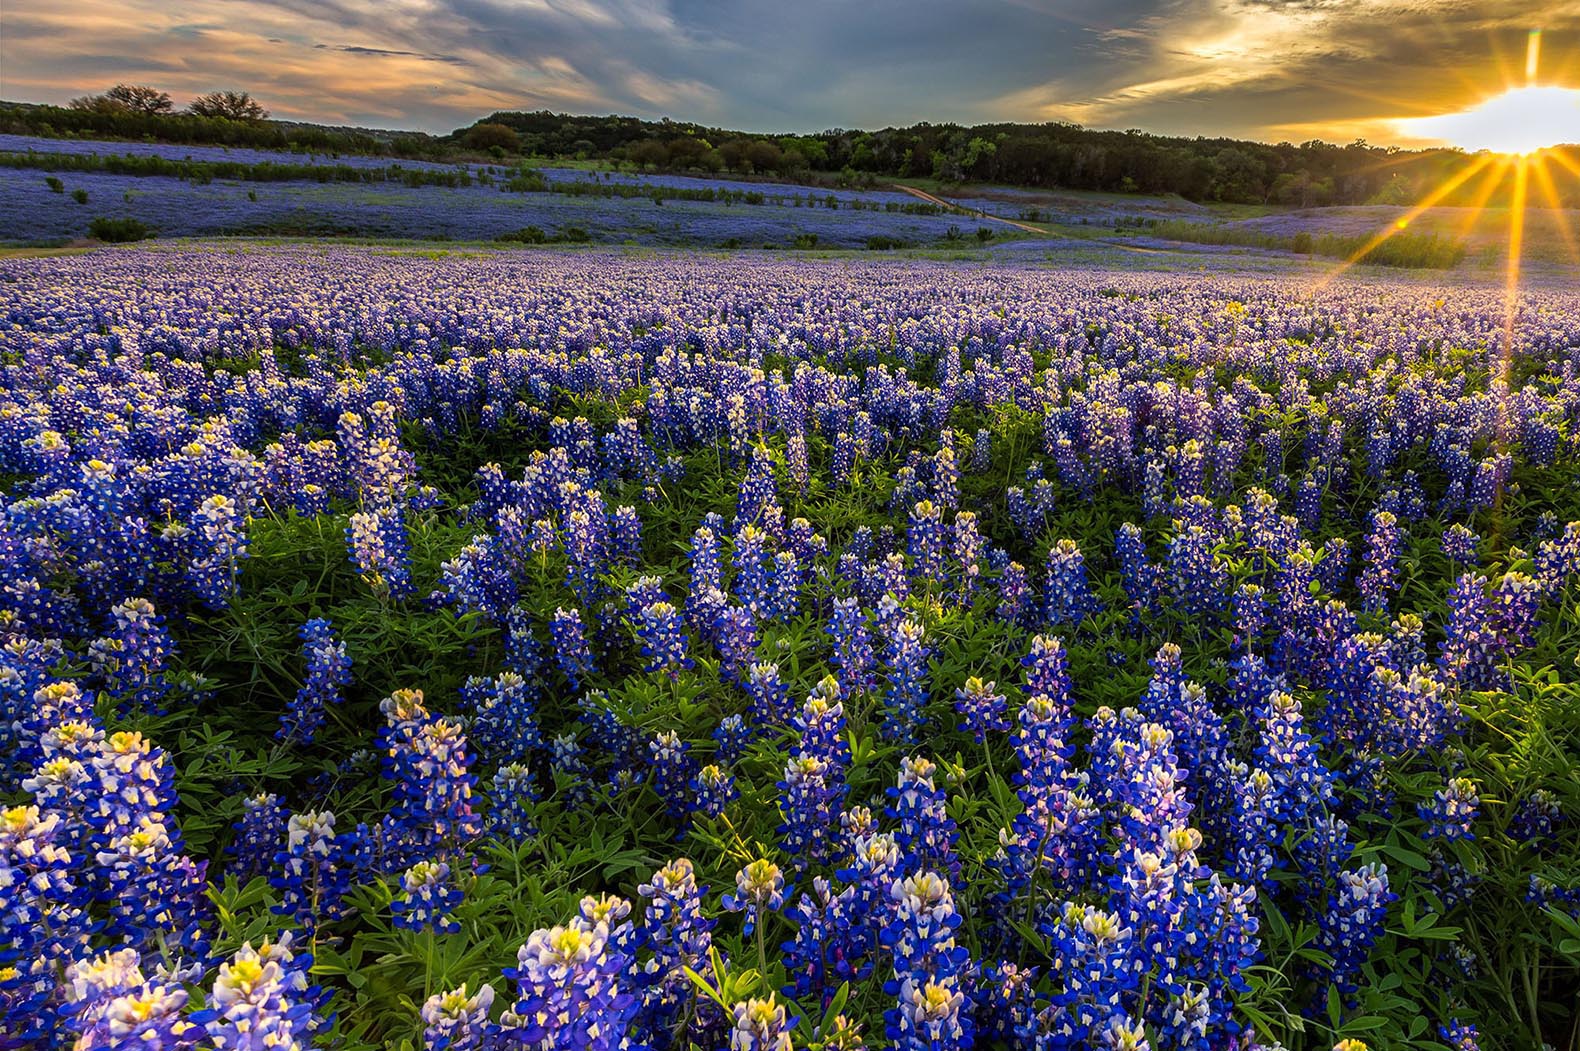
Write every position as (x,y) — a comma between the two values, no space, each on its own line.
(1046,156)
(1050,155)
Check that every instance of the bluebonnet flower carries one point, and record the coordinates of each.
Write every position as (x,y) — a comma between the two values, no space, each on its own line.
(759,885)
(1014,591)
(575,990)
(853,656)
(673,772)
(679,935)
(312,873)
(431,787)
(663,639)
(1536,817)
(1136,572)
(1250,612)
(133,661)
(1460,543)
(925,833)
(259,836)
(457,1020)
(981,708)
(1352,920)
(625,534)
(714,789)
(706,566)
(946,475)
(151,1014)
(769,693)
(221,545)
(570,766)
(758,502)
(813,786)
(760,1025)
(504,723)
(929,967)
(1384,543)
(1198,578)
(736,639)
(259,999)
(981,450)
(924,539)
(430,898)
(328,669)
(381,551)
(513,797)
(1451,811)
(732,736)
(796,462)
(827,949)
(908,674)
(967,554)
(750,559)
(570,646)
(1069,596)
(1460,1036)
(784,586)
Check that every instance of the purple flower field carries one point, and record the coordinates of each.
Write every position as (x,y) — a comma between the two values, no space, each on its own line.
(490,650)
(31,211)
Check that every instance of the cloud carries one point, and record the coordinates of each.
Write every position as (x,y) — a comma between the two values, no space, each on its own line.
(1268,68)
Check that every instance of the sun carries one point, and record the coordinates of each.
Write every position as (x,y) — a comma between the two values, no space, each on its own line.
(1520,121)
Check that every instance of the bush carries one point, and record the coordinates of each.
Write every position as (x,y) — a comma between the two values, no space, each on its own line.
(526,180)
(806,240)
(54,184)
(531,235)
(488,136)
(882,242)
(80,196)
(118,231)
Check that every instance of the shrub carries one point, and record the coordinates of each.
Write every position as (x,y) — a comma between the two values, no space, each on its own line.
(526,180)
(531,235)
(118,231)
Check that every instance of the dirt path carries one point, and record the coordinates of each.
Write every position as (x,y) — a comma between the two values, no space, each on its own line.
(942,203)
(930,199)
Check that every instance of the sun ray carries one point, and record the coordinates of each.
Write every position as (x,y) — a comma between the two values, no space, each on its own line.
(1429,201)
(1477,204)
(1555,205)
(1511,280)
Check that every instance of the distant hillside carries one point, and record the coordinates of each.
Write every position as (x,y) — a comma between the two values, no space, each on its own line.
(27,118)
(1052,155)
(1045,156)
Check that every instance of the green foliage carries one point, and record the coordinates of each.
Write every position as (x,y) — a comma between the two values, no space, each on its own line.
(118,231)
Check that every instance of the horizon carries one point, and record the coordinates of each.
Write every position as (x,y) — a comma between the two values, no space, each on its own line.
(1270,71)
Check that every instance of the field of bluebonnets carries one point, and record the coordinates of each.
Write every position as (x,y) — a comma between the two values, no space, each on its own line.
(52,190)
(569,650)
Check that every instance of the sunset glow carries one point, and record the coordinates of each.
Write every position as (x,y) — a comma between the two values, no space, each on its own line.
(1522,121)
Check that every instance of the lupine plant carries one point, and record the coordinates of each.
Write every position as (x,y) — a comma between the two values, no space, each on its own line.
(599,652)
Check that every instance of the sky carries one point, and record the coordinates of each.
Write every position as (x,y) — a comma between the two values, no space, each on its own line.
(1264,69)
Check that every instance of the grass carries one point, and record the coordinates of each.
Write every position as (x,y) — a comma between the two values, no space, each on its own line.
(1412,250)
(43,251)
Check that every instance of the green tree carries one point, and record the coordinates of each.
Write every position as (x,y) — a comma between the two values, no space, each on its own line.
(231,105)
(139,98)
(487,135)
